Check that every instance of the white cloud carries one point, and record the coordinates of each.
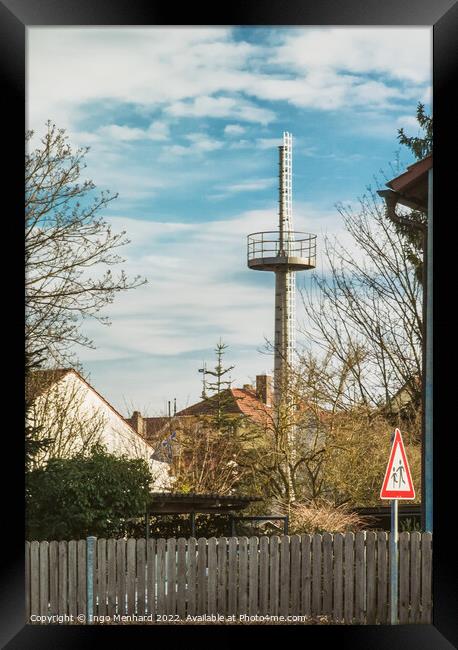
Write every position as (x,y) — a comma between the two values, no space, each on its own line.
(189,284)
(121,133)
(268,143)
(70,67)
(176,150)
(205,72)
(427,96)
(399,53)
(250,186)
(328,68)
(234,129)
(200,144)
(130,178)
(181,69)
(377,124)
(116,132)
(321,88)
(240,144)
(158,131)
(409,123)
(206,106)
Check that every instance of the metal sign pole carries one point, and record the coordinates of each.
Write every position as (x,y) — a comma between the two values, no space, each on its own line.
(396,486)
(394,562)
(428,370)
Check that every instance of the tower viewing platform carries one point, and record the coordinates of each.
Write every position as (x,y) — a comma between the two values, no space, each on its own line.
(276,251)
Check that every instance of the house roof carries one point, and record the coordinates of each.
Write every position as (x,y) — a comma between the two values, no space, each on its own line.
(412,185)
(183,503)
(48,377)
(155,425)
(239,401)
(403,396)
(242,402)
(154,428)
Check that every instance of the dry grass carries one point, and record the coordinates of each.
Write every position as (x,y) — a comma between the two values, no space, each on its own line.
(324,517)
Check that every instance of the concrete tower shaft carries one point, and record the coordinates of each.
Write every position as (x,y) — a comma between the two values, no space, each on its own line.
(285,278)
(283,252)
(284,342)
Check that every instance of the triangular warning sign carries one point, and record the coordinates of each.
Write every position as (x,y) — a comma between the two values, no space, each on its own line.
(397,483)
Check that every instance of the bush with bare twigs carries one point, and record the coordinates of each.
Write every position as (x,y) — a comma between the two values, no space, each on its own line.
(323,516)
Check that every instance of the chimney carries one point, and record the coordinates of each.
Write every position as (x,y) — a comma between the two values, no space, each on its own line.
(264,389)
(137,423)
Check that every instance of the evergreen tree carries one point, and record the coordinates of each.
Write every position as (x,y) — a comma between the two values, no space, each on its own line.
(210,445)
(412,234)
(420,147)
(218,391)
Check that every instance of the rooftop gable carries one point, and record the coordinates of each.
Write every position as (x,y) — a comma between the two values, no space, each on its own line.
(238,401)
(49,377)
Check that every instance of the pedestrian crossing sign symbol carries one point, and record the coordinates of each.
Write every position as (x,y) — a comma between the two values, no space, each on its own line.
(397,483)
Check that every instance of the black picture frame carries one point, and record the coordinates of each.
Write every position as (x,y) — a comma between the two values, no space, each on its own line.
(442,16)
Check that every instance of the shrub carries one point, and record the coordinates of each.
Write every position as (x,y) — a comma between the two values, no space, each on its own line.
(89,494)
(323,517)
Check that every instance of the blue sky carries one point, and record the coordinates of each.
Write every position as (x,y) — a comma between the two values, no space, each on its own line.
(184,124)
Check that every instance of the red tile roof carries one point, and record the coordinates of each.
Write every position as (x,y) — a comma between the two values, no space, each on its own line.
(414,173)
(412,185)
(239,401)
(250,405)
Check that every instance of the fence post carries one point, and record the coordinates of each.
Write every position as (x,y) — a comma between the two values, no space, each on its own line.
(90,558)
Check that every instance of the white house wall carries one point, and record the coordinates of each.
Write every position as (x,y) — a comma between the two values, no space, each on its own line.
(117,436)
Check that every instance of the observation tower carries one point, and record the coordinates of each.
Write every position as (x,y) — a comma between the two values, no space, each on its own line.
(284,252)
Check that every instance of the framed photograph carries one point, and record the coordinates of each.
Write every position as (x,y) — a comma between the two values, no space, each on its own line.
(205,446)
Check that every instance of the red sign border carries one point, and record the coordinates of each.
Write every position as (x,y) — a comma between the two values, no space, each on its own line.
(393,494)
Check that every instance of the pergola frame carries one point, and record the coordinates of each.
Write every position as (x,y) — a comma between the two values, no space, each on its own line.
(171,503)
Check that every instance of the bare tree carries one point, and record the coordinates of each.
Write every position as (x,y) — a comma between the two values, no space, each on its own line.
(205,458)
(359,445)
(67,246)
(58,413)
(313,449)
(284,458)
(365,312)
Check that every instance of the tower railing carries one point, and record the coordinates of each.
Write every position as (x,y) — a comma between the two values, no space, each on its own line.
(268,245)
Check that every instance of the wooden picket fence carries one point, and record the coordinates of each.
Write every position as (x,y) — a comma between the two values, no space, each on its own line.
(344,577)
